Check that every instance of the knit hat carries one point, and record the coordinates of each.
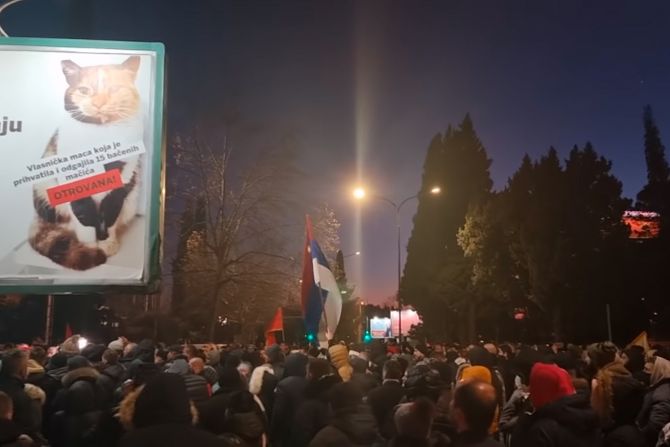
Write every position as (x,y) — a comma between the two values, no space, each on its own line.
(71,345)
(116,345)
(339,357)
(476,373)
(76,362)
(549,383)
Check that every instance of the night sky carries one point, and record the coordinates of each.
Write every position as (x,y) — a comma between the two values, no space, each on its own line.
(365,85)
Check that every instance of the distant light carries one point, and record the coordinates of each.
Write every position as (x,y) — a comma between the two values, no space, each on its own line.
(436,190)
(82,343)
(358,253)
(344,292)
(359,193)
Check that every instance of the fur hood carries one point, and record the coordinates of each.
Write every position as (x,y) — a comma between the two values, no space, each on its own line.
(127,409)
(256,381)
(86,373)
(35,393)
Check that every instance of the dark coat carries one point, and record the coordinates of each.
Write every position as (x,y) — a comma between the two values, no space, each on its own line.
(245,430)
(356,428)
(162,417)
(655,412)
(289,396)
(9,433)
(468,439)
(383,401)
(213,411)
(567,422)
(314,412)
(196,386)
(24,416)
(366,382)
(78,409)
(110,380)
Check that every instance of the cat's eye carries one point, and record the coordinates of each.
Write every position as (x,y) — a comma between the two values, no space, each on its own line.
(84,90)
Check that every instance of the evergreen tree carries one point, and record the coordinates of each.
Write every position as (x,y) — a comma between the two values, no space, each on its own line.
(655,196)
(436,272)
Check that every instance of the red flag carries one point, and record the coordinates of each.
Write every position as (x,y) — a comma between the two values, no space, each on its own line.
(275,325)
(68,331)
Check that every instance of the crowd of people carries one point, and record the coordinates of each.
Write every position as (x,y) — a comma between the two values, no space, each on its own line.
(376,395)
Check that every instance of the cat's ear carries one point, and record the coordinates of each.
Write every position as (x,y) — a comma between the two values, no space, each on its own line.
(132,64)
(71,71)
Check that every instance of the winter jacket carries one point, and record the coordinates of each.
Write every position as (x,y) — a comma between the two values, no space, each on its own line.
(262,384)
(213,411)
(24,416)
(111,378)
(567,422)
(382,401)
(314,412)
(245,430)
(161,416)
(78,408)
(9,435)
(655,412)
(355,428)
(289,396)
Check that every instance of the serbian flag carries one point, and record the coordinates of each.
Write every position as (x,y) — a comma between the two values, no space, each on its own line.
(275,325)
(320,294)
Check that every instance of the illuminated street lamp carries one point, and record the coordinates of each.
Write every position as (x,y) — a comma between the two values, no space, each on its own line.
(360,194)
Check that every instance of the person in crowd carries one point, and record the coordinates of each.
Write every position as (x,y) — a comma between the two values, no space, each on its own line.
(208,373)
(77,406)
(117,346)
(562,418)
(616,396)
(365,380)
(474,408)
(10,433)
(352,424)
(413,425)
(198,390)
(245,425)
(339,356)
(384,398)
(634,360)
(655,412)
(191,352)
(70,346)
(275,358)
(482,374)
(213,411)
(314,412)
(288,397)
(263,382)
(36,370)
(12,382)
(162,416)
(112,374)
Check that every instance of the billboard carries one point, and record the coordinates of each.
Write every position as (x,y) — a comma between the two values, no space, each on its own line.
(409,318)
(380,327)
(643,224)
(81,141)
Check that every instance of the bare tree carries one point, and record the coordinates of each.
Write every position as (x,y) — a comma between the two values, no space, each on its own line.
(235,259)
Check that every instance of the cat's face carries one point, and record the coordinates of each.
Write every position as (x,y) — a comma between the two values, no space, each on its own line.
(102,94)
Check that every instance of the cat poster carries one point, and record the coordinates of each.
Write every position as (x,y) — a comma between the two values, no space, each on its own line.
(80,178)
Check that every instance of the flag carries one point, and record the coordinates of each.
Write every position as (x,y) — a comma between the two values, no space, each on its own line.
(68,331)
(320,294)
(641,340)
(275,325)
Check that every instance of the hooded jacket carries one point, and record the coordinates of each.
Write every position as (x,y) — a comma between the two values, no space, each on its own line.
(314,412)
(349,428)
(655,412)
(162,417)
(289,395)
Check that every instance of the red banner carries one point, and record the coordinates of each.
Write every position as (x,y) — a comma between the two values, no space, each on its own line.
(86,187)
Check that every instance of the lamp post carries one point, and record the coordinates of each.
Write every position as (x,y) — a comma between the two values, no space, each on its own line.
(360,194)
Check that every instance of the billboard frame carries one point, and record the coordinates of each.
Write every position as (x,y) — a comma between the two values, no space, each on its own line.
(150,282)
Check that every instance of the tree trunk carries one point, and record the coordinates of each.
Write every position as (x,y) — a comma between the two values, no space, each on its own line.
(472,323)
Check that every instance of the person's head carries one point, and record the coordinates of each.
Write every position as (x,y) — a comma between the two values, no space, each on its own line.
(190,351)
(245,369)
(15,364)
(414,419)
(393,370)
(296,365)
(110,357)
(6,407)
(318,368)
(39,354)
(273,354)
(173,352)
(197,365)
(549,383)
(285,349)
(474,407)
(492,349)
(480,373)
(117,346)
(129,349)
(164,400)
(160,357)
(601,354)
(77,362)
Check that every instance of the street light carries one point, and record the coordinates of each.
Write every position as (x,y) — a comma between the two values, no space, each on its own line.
(360,194)
(358,253)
